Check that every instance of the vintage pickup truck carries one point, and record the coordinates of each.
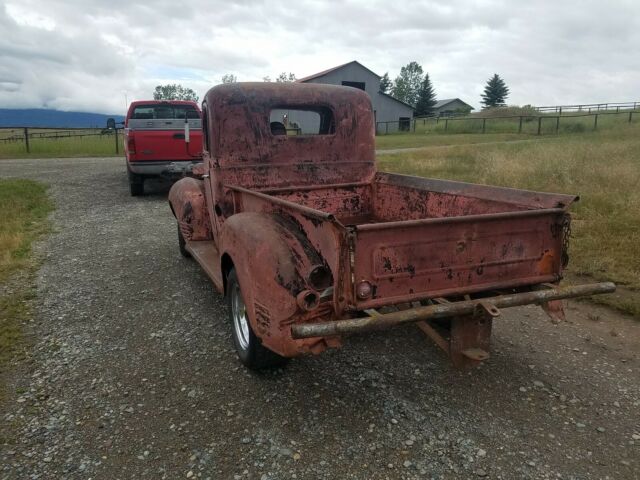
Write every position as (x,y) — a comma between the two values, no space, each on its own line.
(162,138)
(309,242)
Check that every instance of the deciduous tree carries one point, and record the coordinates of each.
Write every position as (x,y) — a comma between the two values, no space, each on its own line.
(229,78)
(407,85)
(285,77)
(174,91)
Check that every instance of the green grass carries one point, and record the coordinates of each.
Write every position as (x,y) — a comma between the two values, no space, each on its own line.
(88,146)
(602,167)
(24,206)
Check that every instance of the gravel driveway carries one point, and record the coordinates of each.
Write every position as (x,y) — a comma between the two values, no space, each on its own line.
(132,374)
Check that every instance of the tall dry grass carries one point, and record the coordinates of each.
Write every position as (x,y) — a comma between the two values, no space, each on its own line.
(603,168)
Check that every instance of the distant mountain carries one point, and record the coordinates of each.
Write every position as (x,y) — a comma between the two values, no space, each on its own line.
(41,117)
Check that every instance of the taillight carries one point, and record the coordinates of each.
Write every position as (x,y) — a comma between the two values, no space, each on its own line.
(131,144)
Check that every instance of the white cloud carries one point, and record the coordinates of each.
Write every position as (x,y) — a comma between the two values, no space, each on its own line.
(84,55)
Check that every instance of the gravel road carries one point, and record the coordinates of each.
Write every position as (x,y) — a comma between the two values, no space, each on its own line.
(132,374)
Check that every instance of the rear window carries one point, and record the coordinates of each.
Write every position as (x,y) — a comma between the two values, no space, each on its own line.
(302,121)
(162,111)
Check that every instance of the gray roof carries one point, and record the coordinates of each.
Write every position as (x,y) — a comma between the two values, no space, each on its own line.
(442,103)
(324,72)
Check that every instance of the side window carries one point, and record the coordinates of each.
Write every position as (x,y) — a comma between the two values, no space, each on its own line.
(205,128)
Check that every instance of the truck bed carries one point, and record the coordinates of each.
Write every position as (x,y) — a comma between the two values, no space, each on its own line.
(417,238)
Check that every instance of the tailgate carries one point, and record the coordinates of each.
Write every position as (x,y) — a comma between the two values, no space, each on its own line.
(159,139)
(419,259)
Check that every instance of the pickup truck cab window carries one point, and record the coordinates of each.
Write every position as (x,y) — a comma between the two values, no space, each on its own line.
(301,121)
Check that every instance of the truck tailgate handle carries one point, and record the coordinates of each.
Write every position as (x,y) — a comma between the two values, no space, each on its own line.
(178,136)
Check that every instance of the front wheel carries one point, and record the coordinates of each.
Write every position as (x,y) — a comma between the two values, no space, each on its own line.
(248,346)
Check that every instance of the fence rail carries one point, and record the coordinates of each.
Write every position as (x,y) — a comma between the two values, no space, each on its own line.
(589,107)
(482,124)
(26,135)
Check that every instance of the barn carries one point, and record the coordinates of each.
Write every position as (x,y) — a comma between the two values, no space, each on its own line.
(451,106)
(354,74)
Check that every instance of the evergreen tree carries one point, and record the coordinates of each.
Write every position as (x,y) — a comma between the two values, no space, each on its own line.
(426,97)
(407,84)
(385,83)
(495,92)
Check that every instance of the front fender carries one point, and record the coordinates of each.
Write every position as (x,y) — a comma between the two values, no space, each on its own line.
(273,258)
(187,202)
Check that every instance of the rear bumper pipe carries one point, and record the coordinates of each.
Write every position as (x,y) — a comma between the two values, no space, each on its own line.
(445,310)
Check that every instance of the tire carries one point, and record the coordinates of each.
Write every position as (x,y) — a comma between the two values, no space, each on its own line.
(182,244)
(248,346)
(136,184)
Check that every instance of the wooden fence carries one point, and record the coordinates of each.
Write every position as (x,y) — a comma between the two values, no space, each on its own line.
(26,134)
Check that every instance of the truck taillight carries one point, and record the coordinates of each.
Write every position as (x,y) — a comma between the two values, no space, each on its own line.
(131,144)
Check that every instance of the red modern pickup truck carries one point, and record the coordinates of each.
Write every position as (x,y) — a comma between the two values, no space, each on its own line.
(162,138)
(310,242)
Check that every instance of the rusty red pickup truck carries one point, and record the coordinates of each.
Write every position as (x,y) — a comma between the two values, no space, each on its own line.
(290,219)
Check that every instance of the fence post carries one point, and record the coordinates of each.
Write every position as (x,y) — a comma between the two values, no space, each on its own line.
(446,124)
(26,139)
(115,131)
(520,125)
(484,121)
(539,125)
(560,110)
(414,125)
(557,123)
(618,109)
(595,121)
(630,113)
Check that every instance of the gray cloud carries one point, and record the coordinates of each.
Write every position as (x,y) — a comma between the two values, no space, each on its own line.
(85,55)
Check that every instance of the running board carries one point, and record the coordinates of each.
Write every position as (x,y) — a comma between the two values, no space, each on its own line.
(206,254)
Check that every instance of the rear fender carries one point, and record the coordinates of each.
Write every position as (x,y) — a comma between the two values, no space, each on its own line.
(187,201)
(272,258)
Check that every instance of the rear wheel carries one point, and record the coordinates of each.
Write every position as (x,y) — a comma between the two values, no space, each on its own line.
(136,184)
(248,346)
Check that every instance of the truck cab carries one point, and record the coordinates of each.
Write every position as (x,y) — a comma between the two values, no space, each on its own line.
(291,220)
(161,139)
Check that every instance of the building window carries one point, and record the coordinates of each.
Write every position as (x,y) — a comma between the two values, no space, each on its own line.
(404,124)
(359,85)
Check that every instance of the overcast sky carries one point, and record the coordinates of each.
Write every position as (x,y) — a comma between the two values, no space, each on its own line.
(87,55)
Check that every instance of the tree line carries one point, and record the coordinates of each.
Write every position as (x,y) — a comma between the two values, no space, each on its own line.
(412,86)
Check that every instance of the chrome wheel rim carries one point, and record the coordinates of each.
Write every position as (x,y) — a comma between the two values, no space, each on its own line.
(240,321)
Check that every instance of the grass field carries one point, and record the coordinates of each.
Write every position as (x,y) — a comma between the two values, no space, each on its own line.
(602,167)
(78,146)
(24,206)
(569,123)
